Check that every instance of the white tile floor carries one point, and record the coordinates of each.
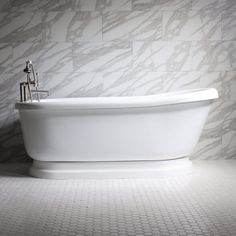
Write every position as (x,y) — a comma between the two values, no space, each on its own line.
(203,203)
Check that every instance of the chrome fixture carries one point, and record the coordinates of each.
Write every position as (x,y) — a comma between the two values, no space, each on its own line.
(25,87)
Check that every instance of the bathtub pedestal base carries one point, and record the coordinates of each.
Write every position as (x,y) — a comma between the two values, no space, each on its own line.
(114,170)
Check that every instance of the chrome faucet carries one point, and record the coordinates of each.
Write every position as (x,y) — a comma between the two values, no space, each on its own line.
(25,87)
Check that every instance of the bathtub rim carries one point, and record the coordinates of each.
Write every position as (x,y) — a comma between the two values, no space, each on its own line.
(169,98)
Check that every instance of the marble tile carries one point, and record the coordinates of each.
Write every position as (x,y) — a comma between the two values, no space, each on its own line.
(229,85)
(171,56)
(191,25)
(207,149)
(18,26)
(143,4)
(77,26)
(102,5)
(6,130)
(17,149)
(6,57)
(161,4)
(175,81)
(229,132)
(41,5)
(9,88)
(11,140)
(135,25)
(212,80)
(83,84)
(213,125)
(12,145)
(229,25)
(84,5)
(132,83)
(214,5)
(102,56)
(6,115)
(214,56)
(142,55)
(12,150)
(5,5)
(47,57)
(166,56)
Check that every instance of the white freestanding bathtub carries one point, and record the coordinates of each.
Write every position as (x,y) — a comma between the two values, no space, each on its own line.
(114,137)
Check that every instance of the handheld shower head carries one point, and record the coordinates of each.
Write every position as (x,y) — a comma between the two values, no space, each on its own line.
(28,67)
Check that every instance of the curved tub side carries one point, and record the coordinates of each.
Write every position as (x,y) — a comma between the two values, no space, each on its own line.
(154,133)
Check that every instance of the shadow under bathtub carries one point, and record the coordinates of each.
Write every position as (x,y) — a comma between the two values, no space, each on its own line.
(14,169)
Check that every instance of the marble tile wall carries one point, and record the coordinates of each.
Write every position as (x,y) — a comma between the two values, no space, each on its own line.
(121,47)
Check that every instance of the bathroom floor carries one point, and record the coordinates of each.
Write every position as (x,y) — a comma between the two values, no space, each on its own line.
(203,203)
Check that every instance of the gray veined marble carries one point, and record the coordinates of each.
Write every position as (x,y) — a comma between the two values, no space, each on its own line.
(48,57)
(5,5)
(229,85)
(102,56)
(9,88)
(229,131)
(207,149)
(41,5)
(11,143)
(69,5)
(166,56)
(191,25)
(6,130)
(82,84)
(102,5)
(214,5)
(142,52)
(214,55)
(171,56)
(174,81)
(212,80)
(20,26)
(135,25)
(132,83)
(229,25)
(161,4)
(6,116)
(77,26)
(6,57)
